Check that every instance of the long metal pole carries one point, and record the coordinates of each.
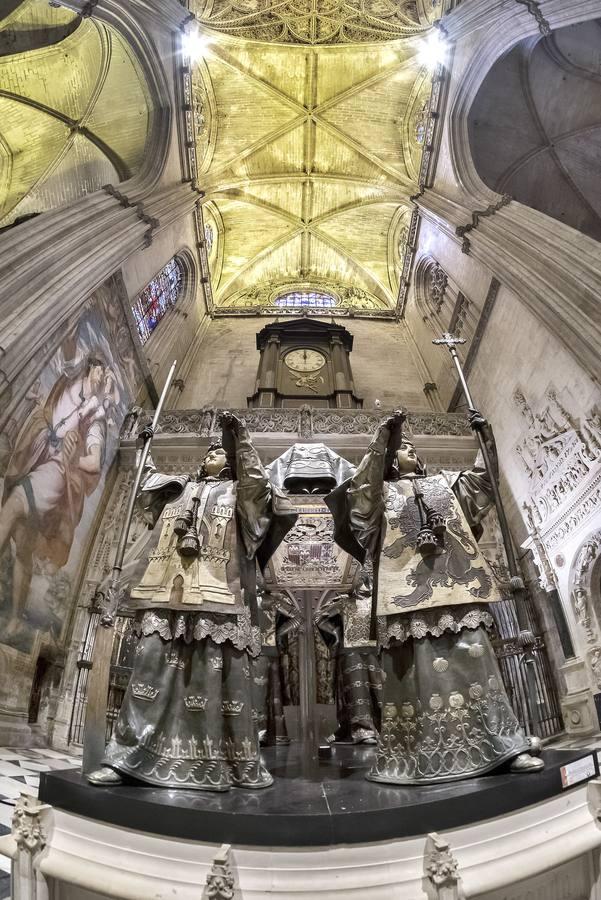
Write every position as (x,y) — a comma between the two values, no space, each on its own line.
(526,639)
(308,728)
(98,684)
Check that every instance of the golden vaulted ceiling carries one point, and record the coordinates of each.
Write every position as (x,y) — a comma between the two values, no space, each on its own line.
(309,145)
(309,115)
(74,108)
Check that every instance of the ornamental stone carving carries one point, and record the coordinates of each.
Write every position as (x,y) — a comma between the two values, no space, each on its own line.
(576,515)
(304,422)
(442,869)
(265,298)
(336,22)
(27,828)
(585,590)
(438,285)
(221,884)
(582,587)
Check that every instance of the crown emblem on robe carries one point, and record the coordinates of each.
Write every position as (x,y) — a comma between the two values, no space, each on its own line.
(232,707)
(173,659)
(143,691)
(195,701)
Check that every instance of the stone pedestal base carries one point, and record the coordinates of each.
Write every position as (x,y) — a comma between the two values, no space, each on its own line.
(579,713)
(549,850)
(500,837)
(578,706)
(16,732)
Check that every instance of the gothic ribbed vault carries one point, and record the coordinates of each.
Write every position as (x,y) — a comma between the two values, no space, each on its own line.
(308,156)
(74,108)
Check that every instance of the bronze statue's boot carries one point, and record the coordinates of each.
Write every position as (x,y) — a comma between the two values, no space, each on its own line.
(536,745)
(103,776)
(365,736)
(526,763)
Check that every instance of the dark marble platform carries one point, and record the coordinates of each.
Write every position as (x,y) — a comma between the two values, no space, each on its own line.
(337,806)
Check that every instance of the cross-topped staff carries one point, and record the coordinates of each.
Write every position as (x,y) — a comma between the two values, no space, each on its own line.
(526,639)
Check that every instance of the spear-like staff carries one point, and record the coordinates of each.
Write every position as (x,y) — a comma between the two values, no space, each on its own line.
(526,639)
(98,685)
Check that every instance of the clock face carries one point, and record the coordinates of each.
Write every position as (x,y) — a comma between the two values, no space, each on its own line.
(303,360)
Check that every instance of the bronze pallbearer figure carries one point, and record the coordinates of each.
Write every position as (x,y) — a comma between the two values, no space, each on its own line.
(187,718)
(445,712)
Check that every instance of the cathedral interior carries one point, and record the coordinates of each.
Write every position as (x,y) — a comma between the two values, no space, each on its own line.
(300,449)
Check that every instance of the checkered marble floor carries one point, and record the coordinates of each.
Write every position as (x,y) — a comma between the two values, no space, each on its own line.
(20,774)
(593,742)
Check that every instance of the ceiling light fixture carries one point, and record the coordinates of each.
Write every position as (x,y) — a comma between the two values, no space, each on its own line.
(433,51)
(194,44)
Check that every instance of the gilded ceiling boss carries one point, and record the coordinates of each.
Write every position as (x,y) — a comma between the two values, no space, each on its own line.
(187,716)
(445,712)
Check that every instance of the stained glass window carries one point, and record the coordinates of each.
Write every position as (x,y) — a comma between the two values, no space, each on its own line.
(420,123)
(209,238)
(158,298)
(306,298)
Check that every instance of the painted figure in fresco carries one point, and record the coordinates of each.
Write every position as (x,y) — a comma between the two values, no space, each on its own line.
(56,462)
(445,712)
(344,622)
(187,717)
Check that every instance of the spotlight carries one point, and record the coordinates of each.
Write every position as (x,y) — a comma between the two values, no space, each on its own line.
(433,51)
(194,44)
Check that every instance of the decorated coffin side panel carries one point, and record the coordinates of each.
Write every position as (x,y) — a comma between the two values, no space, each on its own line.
(308,558)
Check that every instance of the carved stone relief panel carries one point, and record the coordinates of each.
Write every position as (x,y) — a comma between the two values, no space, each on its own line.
(585,592)
(562,460)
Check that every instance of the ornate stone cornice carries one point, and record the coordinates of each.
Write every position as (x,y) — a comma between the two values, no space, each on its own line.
(408,260)
(141,213)
(462,230)
(534,9)
(304,422)
(281,311)
(579,513)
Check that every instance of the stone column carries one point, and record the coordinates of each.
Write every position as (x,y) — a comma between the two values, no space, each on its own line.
(268,372)
(29,833)
(555,270)
(343,386)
